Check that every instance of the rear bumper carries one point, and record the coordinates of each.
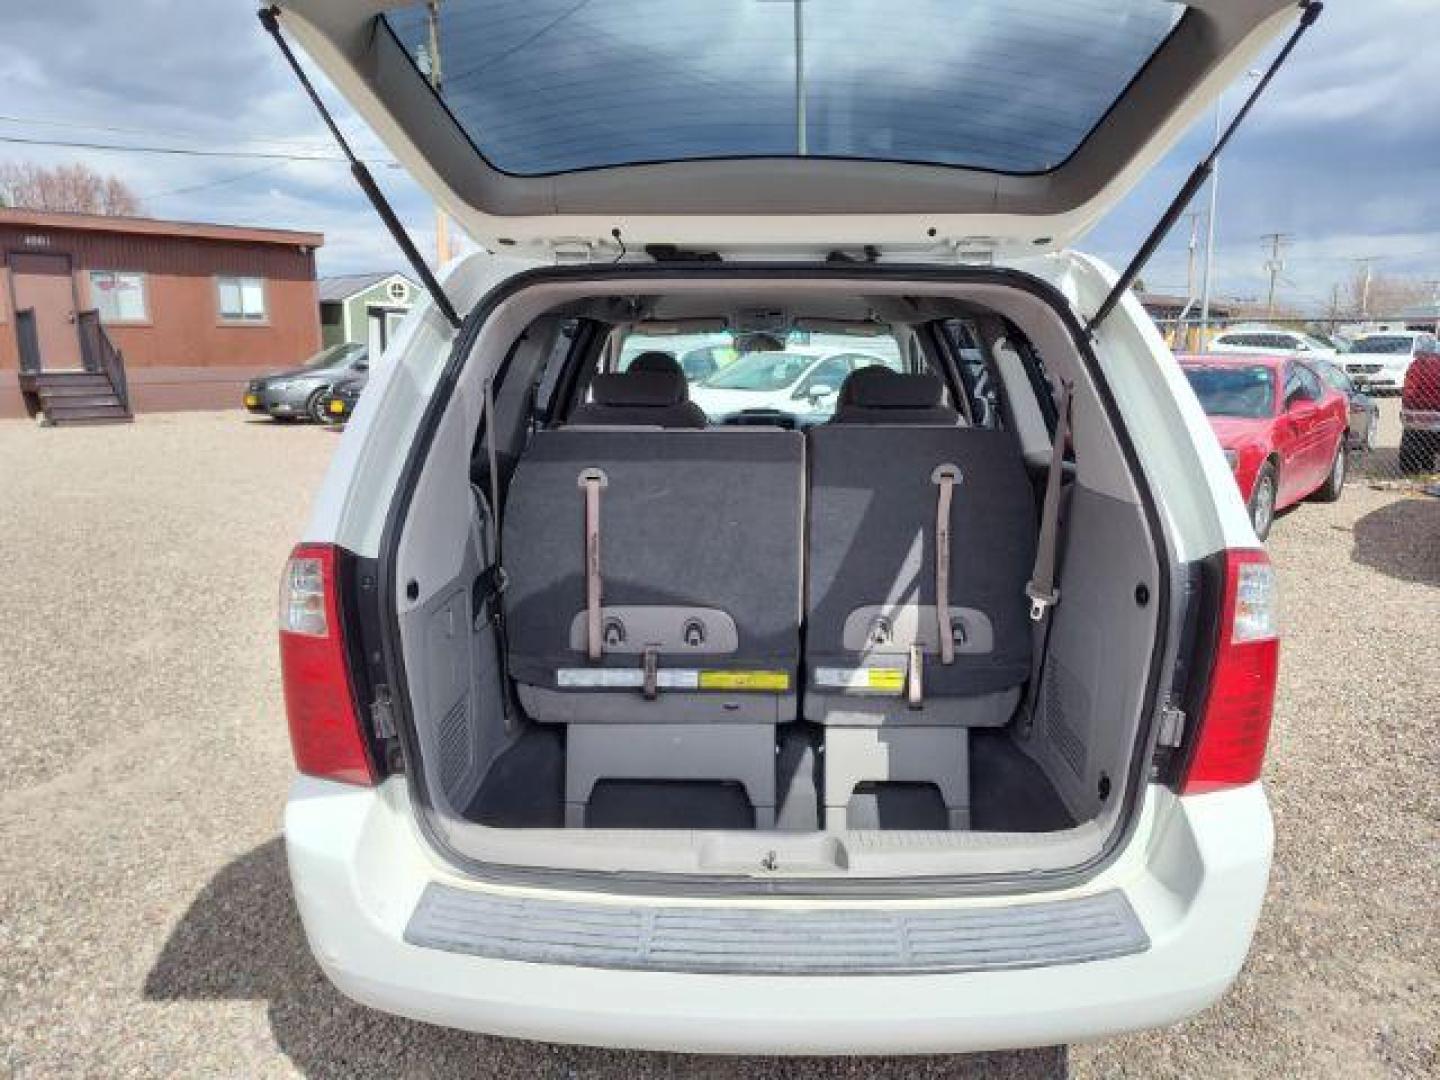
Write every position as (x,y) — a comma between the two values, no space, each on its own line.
(1195,875)
(273,403)
(1384,379)
(1419,420)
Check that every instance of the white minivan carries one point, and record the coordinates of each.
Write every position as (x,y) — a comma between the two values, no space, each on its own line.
(931,721)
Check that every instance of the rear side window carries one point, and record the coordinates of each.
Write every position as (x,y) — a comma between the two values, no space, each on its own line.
(976,379)
(549,86)
(1389,344)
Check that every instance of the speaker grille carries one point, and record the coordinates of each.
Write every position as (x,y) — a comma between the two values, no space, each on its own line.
(1061,687)
(456,751)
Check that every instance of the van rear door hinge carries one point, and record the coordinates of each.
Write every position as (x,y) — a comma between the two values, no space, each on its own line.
(1172,724)
(382,713)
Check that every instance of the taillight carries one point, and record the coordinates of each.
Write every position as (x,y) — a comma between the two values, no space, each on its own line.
(325,731)
(1422,383)
(1235,724)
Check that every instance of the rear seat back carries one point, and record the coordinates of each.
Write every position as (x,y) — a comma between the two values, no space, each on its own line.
(700,569)
(651,394)
(894,706)
(872,549)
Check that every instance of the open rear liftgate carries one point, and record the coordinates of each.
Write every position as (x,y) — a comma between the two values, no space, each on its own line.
(896,639)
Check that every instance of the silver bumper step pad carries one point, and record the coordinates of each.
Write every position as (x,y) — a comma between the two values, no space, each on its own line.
(752,941)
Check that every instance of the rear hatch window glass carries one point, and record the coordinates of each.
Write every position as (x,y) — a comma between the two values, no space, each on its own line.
(551,86)
(798,373)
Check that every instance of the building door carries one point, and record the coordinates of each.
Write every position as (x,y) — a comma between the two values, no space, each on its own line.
(45,284)
(383,322)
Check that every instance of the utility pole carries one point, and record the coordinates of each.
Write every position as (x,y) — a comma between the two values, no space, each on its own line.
(1194,245)
(442,223)
(1274,265)
(1210,233)
(1368,262)
(1209,270)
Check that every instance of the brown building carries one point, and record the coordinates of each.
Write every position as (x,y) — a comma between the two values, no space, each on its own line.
(194,309)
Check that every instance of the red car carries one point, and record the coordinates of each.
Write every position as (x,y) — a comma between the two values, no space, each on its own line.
(1281,425)
(1420,414)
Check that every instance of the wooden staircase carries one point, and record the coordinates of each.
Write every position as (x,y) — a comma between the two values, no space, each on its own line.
(98,393)
(77,397)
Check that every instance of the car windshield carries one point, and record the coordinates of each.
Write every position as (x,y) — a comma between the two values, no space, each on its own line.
(1385,344)
(1334,376)
(1234,391)
(334,355)
(761,371)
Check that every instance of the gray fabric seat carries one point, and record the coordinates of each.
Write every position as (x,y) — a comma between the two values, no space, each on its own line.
(700,565)
(652,393)
(878,395)
(871,589)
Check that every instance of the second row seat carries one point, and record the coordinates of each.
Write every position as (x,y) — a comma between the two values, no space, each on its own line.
(655,599)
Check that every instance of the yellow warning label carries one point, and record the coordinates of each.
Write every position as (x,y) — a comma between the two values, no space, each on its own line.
(744,680)
(890,679)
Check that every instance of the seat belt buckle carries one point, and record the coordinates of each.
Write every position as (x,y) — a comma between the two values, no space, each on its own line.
(489,587)
(1041,602)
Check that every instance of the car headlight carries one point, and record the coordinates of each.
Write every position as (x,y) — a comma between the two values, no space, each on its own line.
(1232,458)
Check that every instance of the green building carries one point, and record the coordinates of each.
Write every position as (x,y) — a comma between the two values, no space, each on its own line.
(364,308)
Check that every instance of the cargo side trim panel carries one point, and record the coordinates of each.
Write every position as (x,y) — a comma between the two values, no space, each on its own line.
(753,941)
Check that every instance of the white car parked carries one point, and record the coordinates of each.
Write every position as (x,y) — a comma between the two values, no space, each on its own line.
(802,384)
(618,725)
(1380,361)
(1270,341)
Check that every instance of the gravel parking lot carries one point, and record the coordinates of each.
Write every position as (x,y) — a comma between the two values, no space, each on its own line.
(146,926)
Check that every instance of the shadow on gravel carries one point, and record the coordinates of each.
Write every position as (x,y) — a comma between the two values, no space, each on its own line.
(1401,540)
(241,940)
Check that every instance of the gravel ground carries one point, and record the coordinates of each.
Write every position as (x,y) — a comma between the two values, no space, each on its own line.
(146,926)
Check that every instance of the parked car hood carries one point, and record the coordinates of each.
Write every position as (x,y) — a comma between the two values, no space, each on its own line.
(1233,431)
(299,373)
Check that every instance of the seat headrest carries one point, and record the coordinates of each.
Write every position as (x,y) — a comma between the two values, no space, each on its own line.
(645,389)
(655,361)
(878,387)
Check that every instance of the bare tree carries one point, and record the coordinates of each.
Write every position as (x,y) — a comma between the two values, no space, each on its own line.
(76,189)
(1367,293)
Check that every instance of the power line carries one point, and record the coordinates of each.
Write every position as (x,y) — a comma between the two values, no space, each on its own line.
(182,151)
(314,145)
(214,183)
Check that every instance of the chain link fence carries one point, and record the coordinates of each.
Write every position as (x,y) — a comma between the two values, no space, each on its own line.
(1393,425)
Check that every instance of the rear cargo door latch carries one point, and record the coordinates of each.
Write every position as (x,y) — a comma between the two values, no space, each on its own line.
(1172,724)
(382,713)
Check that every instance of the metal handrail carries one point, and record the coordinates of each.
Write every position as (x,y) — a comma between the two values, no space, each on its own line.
(98,353)
(29,338)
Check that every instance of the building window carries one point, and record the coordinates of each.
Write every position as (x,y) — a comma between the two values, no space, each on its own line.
(399,291)
(242,299)
(118,295)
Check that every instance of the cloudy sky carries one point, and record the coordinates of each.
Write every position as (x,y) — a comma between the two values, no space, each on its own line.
(1343,153)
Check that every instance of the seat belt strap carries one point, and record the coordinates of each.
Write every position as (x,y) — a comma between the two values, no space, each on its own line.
(1041,589)
(592,481)
(492,454)
(946,476)
(914,678)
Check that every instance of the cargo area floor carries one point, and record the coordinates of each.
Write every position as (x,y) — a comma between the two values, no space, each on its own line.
(523,790)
